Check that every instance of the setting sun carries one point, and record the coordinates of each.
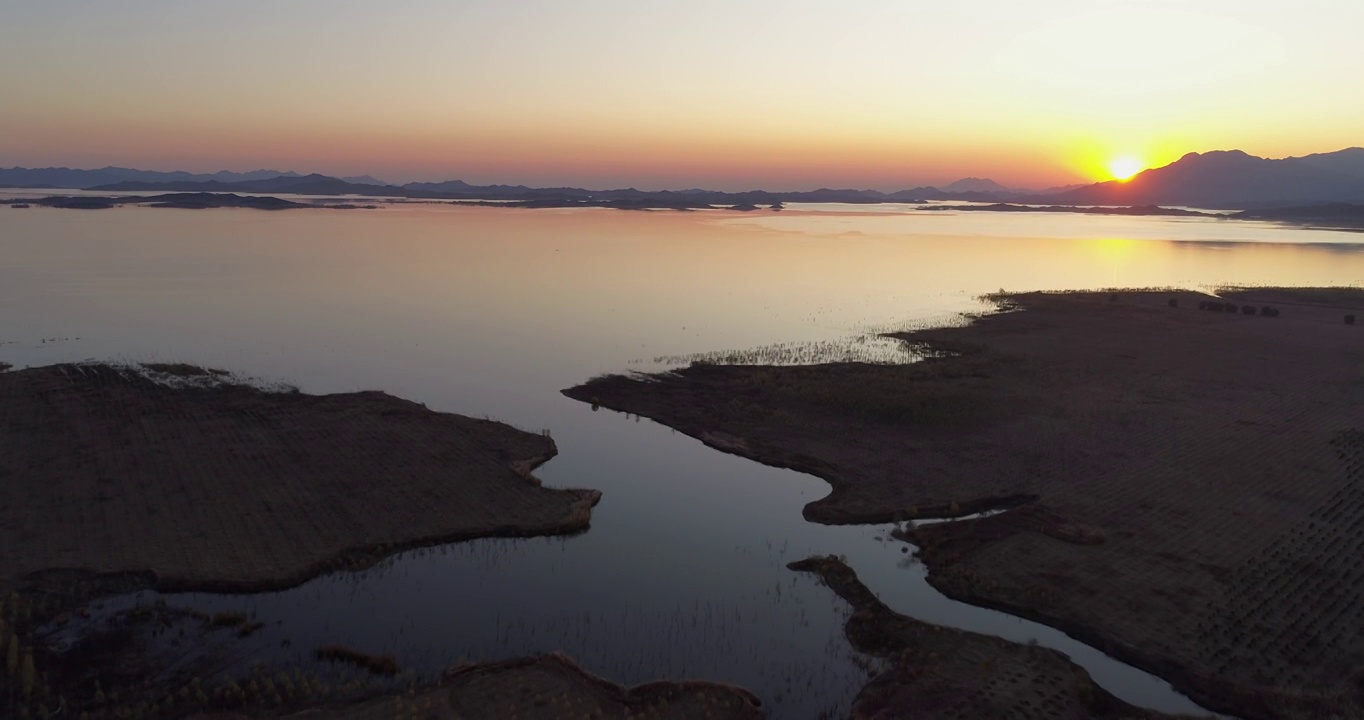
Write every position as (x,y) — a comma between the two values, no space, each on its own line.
(1124,168)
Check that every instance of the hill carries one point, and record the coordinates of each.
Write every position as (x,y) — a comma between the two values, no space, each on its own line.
(1349,161)
(293,184)
(971,184)
(1227,179)
(70,178)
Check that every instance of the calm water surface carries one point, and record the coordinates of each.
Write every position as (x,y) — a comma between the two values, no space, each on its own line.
(491,312)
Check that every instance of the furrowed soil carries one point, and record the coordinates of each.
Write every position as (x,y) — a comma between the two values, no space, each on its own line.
(938,672)
(106,473)
(1188,483)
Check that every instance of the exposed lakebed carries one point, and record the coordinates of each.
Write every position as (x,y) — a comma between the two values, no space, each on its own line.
(483,311)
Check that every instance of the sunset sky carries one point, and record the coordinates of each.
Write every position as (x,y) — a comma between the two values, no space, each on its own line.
(661,94)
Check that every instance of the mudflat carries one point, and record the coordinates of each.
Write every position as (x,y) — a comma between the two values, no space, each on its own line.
(1188,484)
(940,672)
(228,487)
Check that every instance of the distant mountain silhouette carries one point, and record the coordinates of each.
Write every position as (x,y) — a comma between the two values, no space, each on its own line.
(62,177)
(293,184)
(1227,179)
(364,180)
(1059,189)
(1349,161)
(982,185)
(1223,179)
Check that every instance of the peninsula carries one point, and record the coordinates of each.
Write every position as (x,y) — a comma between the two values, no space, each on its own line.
(1179,499)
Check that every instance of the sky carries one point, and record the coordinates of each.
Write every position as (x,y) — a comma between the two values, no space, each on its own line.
(655,94)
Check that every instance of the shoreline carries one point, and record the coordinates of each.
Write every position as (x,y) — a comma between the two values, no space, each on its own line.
(936,668)
(1330,216)
(119,482)
(226,423)
(998,415)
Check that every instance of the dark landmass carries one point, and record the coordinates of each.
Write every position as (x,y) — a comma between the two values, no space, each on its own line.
(1188,485)
(980,185)
(940,672)
(1222,180)
(1349,161)
(364,180)
(549,687)
(553,687)
(1137,210)
(111,482)
(1334,215)
(186,201)
(1219,180)
(205,662)
(157,659)
(76,179)
(1230,180)
(231,488)
(296,185)
(522,196)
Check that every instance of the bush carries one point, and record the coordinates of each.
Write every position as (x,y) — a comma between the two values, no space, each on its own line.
(1247,309)
(1174,302)
(1349,319)
(1230,307)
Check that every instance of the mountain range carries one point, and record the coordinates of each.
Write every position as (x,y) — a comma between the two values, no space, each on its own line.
(1228,179)
(1234,180)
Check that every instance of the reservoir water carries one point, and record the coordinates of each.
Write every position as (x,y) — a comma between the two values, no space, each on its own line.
(491,311)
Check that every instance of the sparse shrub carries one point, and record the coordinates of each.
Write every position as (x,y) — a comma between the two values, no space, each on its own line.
(1247,309)
(1349,319)
(1174,302)
(1230,307)
(1268,311)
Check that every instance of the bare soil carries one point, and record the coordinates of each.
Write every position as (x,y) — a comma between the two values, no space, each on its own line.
(1192,482)
(551,687)
(232,488)
(940,672)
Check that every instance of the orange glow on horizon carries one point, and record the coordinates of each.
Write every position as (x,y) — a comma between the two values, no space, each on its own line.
(1125,168)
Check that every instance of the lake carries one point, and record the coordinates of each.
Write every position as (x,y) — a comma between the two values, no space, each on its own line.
(491,311)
